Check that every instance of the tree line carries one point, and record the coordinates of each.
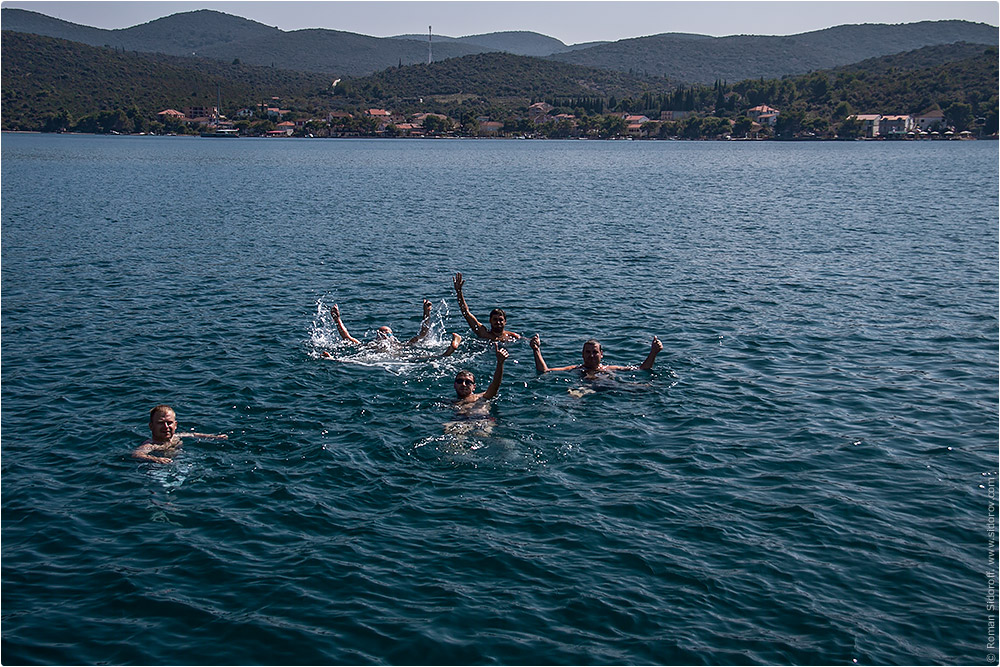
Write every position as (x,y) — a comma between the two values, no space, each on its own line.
(817,104)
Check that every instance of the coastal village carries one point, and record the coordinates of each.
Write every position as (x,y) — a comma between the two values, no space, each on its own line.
(940,85)
(541,120)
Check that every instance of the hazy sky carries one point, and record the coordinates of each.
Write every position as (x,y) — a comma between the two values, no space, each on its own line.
(572,21)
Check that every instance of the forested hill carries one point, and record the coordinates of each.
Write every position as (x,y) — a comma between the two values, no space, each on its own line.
(911,83)
(498,75)
(210,34)
(181,34)
(42,75)
(906,83)
(518,42)
(679,57)
(699,59)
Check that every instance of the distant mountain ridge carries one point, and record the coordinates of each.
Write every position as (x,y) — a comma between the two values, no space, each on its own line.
(682,58)
(210,34)
(516,42)
(178,34)
(700,59)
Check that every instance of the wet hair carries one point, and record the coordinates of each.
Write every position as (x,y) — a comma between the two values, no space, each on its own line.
(158,409)
(497,311)
(467,374)
(593,341)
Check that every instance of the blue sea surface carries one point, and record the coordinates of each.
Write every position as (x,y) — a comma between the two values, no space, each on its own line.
(807,475)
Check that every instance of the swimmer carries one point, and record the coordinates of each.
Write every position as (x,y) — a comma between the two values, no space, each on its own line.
(593,355)
(165,438)
(498,318)
(471,407)
(384,334)
(465,383)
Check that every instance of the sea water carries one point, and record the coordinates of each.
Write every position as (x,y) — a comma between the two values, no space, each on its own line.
(807,475)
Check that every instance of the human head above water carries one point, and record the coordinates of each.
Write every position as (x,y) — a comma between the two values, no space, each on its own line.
(592,354)
(498,319)
(465,383)
(162,423)
(384,332)
(162,408)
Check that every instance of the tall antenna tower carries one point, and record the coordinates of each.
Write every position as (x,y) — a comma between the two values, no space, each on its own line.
(428,45)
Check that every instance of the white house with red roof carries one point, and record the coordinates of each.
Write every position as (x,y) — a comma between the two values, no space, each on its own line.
(764,114)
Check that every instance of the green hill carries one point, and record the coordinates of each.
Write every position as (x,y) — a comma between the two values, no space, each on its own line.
(331,51)
(498,75)
(211,34)
(923,58)
(43,75)
(699,59)
(179,34)
(896,84)
(676,56)
(517,42)
(45,78)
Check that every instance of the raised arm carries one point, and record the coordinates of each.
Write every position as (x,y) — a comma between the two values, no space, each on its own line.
(474,324)
(425,325)
(455,340)
(654,350)
(341,329)
(536,349)
(540,366)
(494,387)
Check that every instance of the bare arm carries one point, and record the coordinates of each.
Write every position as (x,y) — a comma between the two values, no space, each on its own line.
(536,349)
(425,325)
(494,387)
(540,366)
(455,340)
(208,436)
(474,324)
(341,329)
(654,349)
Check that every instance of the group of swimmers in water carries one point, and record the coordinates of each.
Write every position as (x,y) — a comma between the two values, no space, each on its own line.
(165,438)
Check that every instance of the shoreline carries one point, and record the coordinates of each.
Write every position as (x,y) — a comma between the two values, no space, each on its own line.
(992,137)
